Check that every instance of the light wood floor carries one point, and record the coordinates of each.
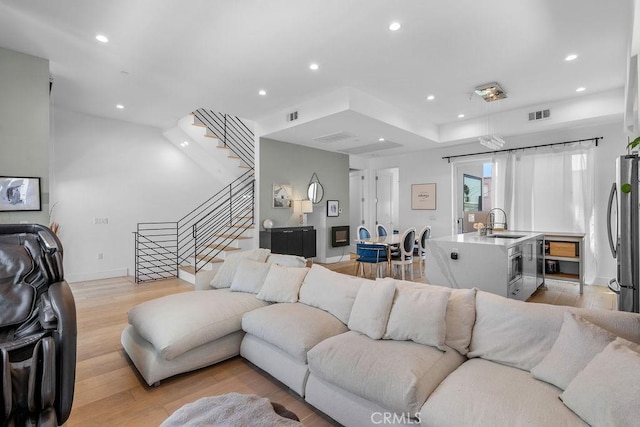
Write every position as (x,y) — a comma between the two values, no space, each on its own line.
(110,392)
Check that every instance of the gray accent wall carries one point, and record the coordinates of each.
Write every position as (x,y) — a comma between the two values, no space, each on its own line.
(24,126)
(284,163)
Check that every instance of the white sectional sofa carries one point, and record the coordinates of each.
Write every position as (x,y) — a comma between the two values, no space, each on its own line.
(389,352)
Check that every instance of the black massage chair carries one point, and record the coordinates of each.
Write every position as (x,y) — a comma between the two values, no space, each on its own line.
(38,329)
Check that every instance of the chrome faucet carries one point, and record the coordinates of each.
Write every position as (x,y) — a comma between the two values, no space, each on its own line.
(492,220)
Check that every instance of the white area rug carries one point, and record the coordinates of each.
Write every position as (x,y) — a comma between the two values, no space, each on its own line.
(229,410)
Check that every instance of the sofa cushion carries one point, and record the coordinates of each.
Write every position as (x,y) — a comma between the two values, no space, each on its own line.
(418,314)
(520,334)
(250,276)
(293,328)
(287,260)
(484,393)
(177,323)
(282,284)
(330,291)
(397,375)
(578,342)
(461,315)
(371,308)
(605,392)
(226,272)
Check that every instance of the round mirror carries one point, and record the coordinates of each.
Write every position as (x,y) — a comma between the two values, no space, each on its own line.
(315,192)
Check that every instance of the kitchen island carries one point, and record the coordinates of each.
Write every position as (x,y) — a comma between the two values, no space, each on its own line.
(508,263)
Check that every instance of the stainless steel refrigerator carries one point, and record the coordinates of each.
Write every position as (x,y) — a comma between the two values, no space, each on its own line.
(623,221)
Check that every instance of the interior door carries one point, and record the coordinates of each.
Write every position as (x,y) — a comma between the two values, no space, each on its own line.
(384,199)
(356,205)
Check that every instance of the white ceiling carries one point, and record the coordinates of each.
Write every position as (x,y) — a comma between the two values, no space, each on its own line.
(217,54)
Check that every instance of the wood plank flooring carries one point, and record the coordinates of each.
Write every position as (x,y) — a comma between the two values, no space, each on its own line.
(109,390)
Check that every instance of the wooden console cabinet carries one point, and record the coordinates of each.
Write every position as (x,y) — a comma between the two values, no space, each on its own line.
(299,241)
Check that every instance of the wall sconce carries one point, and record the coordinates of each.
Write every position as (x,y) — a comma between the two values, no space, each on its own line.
(302,207)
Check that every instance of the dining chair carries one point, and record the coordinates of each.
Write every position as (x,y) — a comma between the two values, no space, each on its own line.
(382,230)
(404,257)
(363,233)
(420,250)
(370,253)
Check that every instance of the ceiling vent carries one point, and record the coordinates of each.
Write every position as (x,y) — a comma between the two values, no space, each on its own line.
(539,115)
(292,116)
(372,147)
(334,137)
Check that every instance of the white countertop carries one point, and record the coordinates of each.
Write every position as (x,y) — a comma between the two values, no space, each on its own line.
(474,237)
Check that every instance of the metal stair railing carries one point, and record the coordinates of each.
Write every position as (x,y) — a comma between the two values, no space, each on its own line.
(202,234)
(156,251)
(232,133)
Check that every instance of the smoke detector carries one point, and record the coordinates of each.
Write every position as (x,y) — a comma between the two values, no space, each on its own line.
(491,92)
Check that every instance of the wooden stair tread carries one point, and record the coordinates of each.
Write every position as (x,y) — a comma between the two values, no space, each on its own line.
(223,248)
(188,268)
(231,236)
(224,147)
(233,156)
(200,125)
(209,258)
(244,167)
(244,227)
(211,136)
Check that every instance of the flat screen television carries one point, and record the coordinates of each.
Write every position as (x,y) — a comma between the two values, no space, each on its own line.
(19,193)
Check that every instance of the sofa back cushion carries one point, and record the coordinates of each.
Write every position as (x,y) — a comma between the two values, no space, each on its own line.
(520,334)
(282,284)
(330,291)
(250,276)
(287,260)
(371,308)
(225,274)
(460,318)
(418,314)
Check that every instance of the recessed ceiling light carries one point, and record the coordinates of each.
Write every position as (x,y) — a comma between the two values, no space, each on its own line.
(314,66)
(381,139)
(102,38)
(120,107)
(571,57)
(460,116)
(581,89)
(262,92)
(430,98)
(184,144)
(394,26)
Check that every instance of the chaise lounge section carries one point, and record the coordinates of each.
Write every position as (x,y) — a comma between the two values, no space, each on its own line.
(387,351)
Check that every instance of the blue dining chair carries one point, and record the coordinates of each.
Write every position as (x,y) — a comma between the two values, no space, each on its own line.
(382,230)
(363,233)
(369,253)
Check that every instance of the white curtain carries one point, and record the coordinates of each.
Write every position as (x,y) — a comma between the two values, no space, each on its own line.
(550,189)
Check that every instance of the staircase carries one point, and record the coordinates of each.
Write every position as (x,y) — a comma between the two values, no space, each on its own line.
(191,247)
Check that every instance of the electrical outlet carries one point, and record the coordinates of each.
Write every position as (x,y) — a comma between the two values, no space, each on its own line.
(101,221)
(472,217)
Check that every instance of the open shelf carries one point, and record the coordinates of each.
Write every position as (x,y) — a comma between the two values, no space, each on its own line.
(569,268)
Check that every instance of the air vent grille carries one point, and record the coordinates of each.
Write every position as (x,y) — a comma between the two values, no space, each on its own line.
(292,116)
(539,115)
(334,137)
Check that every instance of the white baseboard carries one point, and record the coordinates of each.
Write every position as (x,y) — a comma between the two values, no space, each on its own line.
(84,277)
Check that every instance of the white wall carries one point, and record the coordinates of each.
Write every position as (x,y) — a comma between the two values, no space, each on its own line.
(127,173)
(24,126)
(428,166)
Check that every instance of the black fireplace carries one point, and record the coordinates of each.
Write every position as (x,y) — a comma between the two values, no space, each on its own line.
(340,236)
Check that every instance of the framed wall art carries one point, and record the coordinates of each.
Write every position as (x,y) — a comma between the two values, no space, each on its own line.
(423,196)
(19,194)
(282,194)
(333,208)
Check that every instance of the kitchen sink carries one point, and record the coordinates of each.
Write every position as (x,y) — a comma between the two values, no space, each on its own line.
(505,236)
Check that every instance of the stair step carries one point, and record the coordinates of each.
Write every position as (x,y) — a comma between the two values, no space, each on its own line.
(224,147)
(191,269)
(222,248)
(199,124)
(231,236)
(243,227)
(244,167)
(208,258)
(208,135)
(233,156)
